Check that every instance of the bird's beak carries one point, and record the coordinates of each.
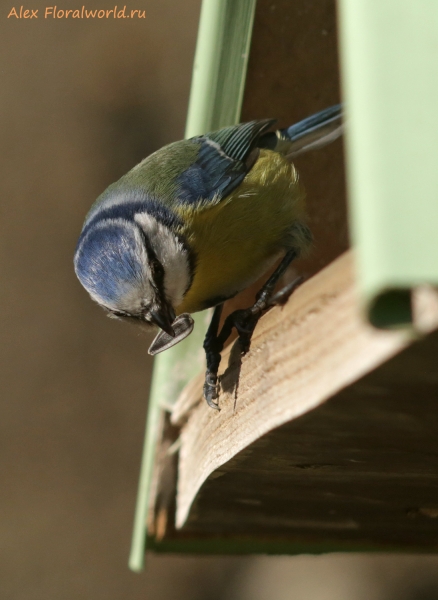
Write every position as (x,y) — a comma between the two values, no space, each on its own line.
(182,327)
(164,319)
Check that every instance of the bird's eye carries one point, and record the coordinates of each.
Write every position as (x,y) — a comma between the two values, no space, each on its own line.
(119,314)
(157,270)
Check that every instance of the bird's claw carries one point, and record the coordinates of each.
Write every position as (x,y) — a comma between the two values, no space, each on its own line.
(211,391)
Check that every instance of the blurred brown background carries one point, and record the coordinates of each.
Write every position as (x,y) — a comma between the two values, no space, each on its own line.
(81,103)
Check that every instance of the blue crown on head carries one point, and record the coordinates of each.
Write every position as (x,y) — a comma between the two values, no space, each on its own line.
(108,260)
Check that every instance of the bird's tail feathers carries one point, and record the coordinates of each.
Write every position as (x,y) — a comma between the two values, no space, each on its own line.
(309,134)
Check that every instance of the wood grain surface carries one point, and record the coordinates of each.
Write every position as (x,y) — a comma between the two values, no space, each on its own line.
(281,461)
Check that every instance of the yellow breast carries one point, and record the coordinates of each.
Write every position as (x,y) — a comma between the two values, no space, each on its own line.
(238,238)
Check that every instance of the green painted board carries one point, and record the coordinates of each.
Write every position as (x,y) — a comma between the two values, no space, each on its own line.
(389,58)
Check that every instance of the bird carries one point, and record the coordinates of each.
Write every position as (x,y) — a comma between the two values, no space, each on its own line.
(197,222)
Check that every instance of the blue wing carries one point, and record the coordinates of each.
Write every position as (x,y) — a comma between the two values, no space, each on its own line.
(223,160)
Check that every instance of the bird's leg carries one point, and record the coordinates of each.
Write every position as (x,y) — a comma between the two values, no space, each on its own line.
(213,348)
(245,321)
(213,345)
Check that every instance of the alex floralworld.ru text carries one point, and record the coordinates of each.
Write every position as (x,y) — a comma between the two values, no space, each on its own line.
(53,12)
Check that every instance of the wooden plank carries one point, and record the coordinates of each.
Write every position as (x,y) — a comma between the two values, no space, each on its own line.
(260,466)
(293,72)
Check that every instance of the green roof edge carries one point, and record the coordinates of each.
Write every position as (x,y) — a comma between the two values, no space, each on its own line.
(389,60)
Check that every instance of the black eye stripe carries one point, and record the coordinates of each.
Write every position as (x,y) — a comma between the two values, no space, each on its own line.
(122,315)
(157,272)
(156,267)
(119,313)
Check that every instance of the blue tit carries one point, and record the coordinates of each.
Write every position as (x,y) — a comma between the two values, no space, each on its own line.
(197,222)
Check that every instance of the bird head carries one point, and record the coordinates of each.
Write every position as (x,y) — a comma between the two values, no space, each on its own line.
(137,270)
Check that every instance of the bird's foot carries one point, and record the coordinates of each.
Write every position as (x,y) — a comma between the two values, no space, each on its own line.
(245,321)
(211,389)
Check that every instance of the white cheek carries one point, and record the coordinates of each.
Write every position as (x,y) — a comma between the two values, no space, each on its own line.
(171,254)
